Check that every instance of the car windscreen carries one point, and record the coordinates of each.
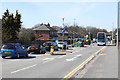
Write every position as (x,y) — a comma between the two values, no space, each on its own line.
(60,43)
(8,47)
(101,35)
(34,46)
(101,40)
(48,44)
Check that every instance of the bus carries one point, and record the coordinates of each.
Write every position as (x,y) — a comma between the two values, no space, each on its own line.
(101,38)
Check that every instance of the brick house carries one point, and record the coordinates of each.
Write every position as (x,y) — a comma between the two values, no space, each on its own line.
(45,32)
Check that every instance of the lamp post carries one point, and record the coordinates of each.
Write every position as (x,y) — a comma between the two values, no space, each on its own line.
(62,31)
(74,31)
(63,27)
(118,25)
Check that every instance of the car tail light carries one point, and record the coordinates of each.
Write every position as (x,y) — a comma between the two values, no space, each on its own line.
(36,48)
(14,47)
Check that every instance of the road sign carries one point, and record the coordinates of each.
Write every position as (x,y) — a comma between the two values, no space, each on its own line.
(63,30)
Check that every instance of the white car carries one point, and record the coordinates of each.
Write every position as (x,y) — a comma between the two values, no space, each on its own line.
(62,45)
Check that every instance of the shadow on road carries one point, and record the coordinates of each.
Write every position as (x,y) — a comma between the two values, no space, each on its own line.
(69,49)
(111,45)
(59,54)
(30,57)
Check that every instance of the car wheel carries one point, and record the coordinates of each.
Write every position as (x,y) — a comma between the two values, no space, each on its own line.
(44,52)
(57,49)
(67,48)
(40,52)
(18,56)
(3,56)
(26,55)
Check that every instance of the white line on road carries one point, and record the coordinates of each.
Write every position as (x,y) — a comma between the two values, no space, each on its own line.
(35,55)
(72,59)
(48,59)
(62,56)
(23,68)
(12,60)
(79,55)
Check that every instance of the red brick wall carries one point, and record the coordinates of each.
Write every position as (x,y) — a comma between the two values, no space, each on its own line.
(42,33)
(43,38)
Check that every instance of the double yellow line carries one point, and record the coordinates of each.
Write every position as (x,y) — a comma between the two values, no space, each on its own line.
(72,73)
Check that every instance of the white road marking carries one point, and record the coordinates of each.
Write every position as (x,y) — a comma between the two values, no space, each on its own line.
(72,59)
(12,60)
(62,56)
(48,60)
(23,69)
(36,55)
(79,55)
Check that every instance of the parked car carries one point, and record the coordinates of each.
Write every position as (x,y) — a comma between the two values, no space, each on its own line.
(13,50)
(0,49)
(48,45)
(62,45)
(36,49)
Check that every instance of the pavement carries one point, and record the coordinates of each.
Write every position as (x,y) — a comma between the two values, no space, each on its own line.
(105,65)
(46,66)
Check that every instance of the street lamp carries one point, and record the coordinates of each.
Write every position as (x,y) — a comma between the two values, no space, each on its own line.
(118,28)
(63,27)
(74,31)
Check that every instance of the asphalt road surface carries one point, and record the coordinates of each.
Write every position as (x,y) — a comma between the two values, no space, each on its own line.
(46,66)
(104,66)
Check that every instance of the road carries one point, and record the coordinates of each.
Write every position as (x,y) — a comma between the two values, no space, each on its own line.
(47,66)
(105,65)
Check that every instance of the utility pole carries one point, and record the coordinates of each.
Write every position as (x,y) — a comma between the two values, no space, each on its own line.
(63,27)
(112,31)
(74,31)
(62,32)
(118,25)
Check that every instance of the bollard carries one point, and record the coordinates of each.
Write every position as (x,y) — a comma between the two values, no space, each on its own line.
(52,49)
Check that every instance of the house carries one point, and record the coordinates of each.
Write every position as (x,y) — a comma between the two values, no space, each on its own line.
(45,32)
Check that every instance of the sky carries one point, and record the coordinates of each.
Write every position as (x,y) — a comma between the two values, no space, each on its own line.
(96,14)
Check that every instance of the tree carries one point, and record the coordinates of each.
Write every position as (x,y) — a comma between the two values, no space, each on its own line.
(26,36)
(10,26)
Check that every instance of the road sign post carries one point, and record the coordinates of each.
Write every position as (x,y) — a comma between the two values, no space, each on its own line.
(63,31)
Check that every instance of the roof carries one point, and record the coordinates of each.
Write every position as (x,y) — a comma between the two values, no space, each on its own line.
(44,27)
(41,27)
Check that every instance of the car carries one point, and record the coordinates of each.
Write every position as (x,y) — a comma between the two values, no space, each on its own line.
(62,45)
(13,50)
(0,48)
(48,45)
(36,49)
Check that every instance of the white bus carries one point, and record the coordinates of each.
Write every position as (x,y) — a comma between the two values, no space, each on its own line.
(101,38)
